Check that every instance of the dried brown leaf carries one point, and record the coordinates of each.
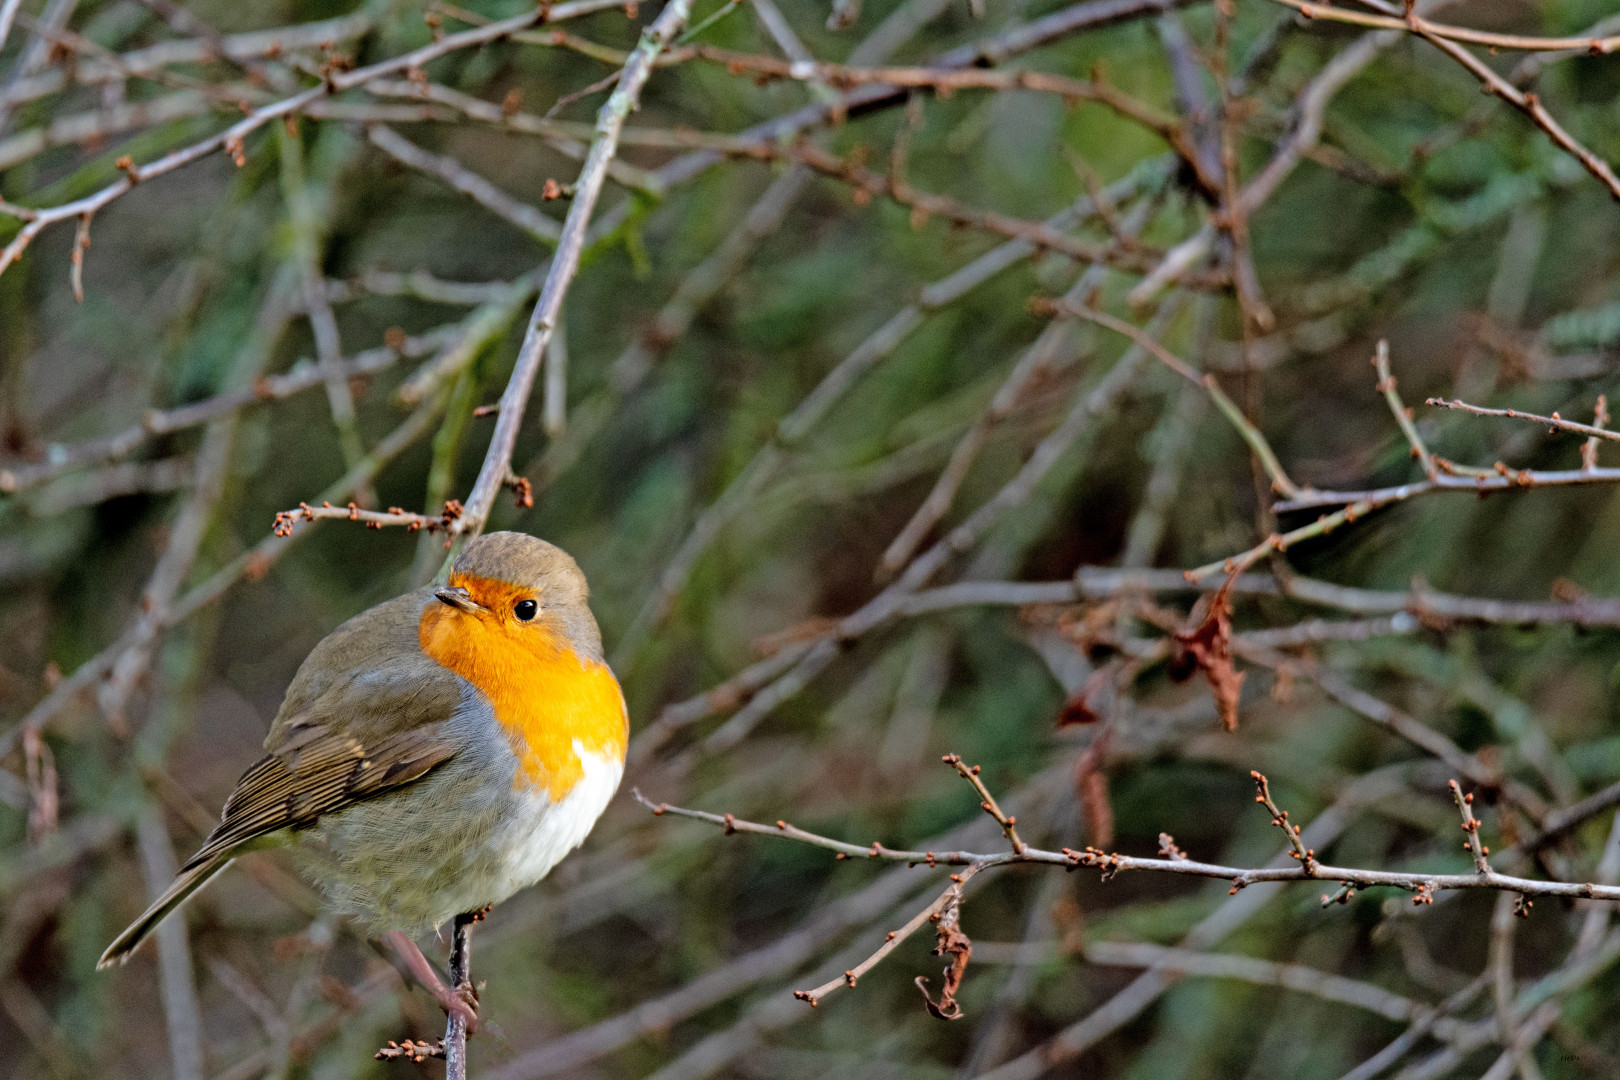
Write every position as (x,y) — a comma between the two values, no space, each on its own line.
(950,941)
(1208,648)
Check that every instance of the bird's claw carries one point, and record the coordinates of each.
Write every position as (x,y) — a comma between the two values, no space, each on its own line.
(460,1002)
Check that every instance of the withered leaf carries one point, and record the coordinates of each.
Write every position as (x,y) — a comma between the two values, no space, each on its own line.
(1208,646)
(952,942)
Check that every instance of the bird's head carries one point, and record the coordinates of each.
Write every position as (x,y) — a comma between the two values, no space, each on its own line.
(520,588)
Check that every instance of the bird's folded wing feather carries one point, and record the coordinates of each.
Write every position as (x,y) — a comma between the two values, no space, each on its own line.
(319,770)
(367,712)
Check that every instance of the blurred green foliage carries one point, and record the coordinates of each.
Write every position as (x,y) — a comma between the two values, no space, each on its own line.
(1431,216)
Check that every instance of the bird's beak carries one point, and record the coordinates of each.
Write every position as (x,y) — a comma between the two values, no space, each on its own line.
(457,597)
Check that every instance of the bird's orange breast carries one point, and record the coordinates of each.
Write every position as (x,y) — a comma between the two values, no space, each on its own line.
(552,703)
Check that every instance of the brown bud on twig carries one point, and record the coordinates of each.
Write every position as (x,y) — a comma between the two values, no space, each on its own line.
(410,1050)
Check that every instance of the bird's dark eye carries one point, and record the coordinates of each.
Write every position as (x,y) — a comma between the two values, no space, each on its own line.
(526,609)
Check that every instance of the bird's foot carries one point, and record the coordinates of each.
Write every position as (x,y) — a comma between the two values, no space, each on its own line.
(462,1001)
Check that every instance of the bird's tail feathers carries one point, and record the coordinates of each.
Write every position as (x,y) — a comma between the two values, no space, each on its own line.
(189,881)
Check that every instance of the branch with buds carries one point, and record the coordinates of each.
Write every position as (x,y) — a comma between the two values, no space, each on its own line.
(944,913)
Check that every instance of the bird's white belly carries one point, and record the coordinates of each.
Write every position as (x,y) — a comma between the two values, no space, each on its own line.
(539,832)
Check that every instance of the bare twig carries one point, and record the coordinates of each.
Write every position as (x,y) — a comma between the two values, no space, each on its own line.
(892,940)
(498,459)
(1501,478)
(411,1050)
(287,520)
(469,183)
(970,773)
(156,422)
(1553,422)
(1228,408)
(1417,24)
(1304,855)
(1397,408)
(1470,825)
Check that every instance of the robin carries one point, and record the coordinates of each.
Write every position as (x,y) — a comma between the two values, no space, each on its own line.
(443,750)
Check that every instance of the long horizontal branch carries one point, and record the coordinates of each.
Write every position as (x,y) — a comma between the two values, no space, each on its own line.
(1423,885)
(1417,24)
(91,71)
(948,80)
(869,184)
(1443,475)
(1504,479)
(1554,421)
(154,422)
(1306,868)
(1101,582)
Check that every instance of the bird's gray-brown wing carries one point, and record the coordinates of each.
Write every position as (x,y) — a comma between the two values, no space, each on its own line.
(317,770)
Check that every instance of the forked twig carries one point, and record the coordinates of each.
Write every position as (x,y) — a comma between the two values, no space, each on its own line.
(941,911)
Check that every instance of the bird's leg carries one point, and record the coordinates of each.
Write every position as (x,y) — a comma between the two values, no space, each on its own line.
(462,1002)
